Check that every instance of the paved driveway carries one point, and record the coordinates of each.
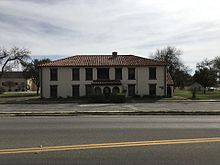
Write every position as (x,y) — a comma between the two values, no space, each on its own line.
(157,106)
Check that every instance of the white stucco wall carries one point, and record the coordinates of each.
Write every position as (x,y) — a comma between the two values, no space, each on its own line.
(65,82)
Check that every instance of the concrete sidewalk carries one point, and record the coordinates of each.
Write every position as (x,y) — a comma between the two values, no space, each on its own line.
(168,108)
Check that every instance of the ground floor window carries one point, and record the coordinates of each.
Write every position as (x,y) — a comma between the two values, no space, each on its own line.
(115,90)
(53,91)
(98,91)
(75,90)
(152,89)
(131,90)
(106,91)
(89,90)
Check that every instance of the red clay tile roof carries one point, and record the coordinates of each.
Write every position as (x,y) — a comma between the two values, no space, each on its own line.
(103,60)
(19,75)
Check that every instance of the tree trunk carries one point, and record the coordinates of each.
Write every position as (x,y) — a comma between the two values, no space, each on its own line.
(38,87)
(204,90)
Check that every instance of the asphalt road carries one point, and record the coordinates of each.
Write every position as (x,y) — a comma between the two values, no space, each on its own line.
(16,133)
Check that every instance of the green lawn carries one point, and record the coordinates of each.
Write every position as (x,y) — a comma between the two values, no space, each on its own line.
(178,95)
(18,94)
(210,95)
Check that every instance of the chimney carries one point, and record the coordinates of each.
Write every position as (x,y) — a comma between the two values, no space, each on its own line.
(114,54)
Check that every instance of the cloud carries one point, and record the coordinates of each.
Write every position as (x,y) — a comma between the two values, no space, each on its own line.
(70,27)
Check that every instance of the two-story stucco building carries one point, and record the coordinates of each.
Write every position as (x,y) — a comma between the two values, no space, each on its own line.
(83,75)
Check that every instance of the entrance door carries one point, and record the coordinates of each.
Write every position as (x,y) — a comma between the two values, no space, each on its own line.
(152,89)
(53,91)
(169,92)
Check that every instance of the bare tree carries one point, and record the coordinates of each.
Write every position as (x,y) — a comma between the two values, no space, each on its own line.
(176,68)
(15,55)
(33,72)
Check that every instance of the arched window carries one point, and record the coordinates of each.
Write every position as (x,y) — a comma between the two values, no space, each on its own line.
(98,91)
(106,91)
(115,90)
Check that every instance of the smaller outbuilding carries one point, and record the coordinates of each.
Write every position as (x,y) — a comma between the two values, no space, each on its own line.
(13,81)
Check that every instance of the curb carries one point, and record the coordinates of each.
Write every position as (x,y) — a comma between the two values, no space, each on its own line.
(81,102)
(102,113)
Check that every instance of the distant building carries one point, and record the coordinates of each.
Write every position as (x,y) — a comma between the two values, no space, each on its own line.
(84,75)
(31,85)
(13,81)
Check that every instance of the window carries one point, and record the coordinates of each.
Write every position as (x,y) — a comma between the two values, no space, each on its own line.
(115,90)
(131,90)
(152,73)
(53,74)
(53,91)
(131,73)
(118,73)
(103,73)
(89,90)
(89,74)
(98,91)
(75,90)
(152,89)
(75,74)
(106,91)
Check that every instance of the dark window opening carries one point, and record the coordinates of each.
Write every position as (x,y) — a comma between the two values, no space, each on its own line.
(131,90)
(169,92)
(103,73)
(75,74)
(131,73)
(53,91)
(98,91)
(89,74)
(152,89)
(75,90)
(53,74)
(118,73)
(115,90)
(89,90)
(152,73)
(107,91)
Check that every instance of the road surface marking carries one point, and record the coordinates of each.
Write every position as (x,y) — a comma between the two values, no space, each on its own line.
(108,145)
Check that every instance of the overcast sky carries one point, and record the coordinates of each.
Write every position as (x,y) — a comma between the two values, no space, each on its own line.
(69,27)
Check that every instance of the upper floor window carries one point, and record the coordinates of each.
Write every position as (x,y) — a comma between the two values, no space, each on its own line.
(75,74)
(53,74)
(131,73)
(118,73)
(89,74)
(152,73)
(103,73)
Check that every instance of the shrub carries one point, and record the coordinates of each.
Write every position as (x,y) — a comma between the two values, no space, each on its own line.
(120,98)
(107,99)
(137,96)
(2,90)
(97,99)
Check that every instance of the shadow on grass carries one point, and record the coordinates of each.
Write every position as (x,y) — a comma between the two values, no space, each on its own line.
(79,100)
